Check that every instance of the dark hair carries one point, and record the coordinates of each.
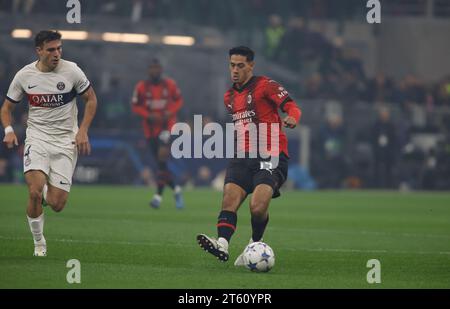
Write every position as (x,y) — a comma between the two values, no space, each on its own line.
(242,51)
(46,36)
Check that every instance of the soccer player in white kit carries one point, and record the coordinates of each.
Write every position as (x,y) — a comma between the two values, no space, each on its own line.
(53,139)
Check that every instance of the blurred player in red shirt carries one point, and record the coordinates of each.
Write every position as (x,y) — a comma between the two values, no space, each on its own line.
(252,100)
(157,100)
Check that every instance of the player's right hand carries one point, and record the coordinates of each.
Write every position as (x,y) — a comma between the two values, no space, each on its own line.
(289,122)
(10,140)
(82,142)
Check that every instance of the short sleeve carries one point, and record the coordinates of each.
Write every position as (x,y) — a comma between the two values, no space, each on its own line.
(81,83)
(15,91)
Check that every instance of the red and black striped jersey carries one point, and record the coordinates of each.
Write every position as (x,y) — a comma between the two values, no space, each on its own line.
(156,100)
(258,102)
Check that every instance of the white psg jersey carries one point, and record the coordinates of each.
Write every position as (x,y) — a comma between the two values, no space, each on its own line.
(52,100)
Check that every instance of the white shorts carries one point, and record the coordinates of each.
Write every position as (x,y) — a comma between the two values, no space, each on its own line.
(58,163)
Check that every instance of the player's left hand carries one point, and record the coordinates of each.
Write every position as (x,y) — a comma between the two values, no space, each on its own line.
(289,122)
(82,142)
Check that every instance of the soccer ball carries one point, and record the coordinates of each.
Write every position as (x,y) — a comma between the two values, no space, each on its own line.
(259,257)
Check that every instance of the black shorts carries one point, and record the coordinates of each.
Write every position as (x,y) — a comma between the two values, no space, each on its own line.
(250,172)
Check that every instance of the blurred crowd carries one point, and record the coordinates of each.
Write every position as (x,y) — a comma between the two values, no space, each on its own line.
(387,152)
(331,70)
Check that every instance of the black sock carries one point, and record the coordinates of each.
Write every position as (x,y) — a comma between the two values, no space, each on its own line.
(226,224)
(258,227)
(164,175)
(160,181)
(160,189)
(169,181)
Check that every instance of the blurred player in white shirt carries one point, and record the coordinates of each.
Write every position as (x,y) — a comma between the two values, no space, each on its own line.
(53,139)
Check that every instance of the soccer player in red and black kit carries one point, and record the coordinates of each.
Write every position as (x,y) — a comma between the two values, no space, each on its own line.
(157,100)
(251,99)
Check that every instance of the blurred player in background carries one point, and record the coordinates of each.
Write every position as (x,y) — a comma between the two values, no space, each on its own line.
(157,100)
(252,99)
(53,139)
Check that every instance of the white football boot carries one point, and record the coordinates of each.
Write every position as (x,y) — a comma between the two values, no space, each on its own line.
(216,247)
(40,247)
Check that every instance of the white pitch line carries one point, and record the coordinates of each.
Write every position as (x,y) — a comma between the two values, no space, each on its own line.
(142,243)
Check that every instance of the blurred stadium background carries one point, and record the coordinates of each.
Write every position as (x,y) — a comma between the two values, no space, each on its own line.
(358,84)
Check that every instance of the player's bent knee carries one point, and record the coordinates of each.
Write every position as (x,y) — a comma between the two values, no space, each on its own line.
(59,206)
(258,209)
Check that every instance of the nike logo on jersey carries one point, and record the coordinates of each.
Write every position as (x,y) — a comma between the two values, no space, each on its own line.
(31,87)
(64,183)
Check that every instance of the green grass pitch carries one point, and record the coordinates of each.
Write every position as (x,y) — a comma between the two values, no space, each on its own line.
(321,240)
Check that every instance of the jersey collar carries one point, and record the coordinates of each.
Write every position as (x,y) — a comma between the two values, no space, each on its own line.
(246,85)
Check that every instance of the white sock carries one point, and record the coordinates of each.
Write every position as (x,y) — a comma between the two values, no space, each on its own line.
(177,189)
(44,192)
(36,227)
(224,242)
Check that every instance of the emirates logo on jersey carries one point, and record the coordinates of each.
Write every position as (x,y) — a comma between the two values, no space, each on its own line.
(244,117)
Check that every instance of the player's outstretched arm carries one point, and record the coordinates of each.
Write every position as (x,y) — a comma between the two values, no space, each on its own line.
(6,116)
(82,139)
(293,115)
(280,97)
